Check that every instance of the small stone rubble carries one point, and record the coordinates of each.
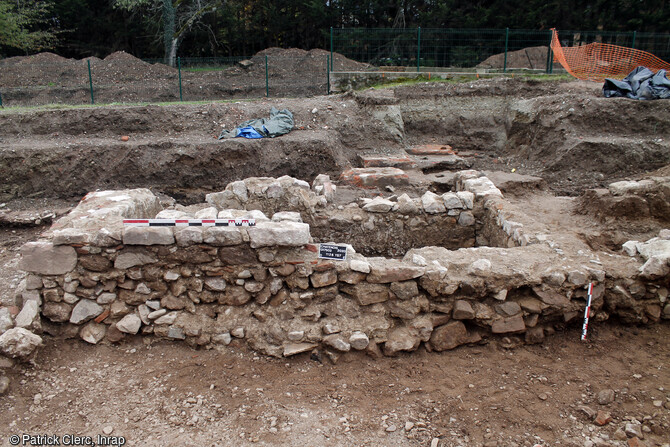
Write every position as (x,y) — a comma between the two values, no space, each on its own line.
(265,284)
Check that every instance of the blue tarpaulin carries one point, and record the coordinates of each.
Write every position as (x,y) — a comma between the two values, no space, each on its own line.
(279,123)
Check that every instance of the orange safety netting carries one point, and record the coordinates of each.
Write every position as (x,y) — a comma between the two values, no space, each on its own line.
(597,61)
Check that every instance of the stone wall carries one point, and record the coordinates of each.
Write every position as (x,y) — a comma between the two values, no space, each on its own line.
(265,284)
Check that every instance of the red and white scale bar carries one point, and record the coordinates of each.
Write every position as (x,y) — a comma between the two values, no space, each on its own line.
(587,312)
(189,222)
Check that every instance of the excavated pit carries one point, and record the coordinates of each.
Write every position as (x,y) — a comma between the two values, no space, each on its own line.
(439,255)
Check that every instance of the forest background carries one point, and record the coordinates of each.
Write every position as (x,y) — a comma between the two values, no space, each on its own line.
(219,28)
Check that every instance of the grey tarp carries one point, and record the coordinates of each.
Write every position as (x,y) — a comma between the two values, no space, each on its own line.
(279,123)
(640,83)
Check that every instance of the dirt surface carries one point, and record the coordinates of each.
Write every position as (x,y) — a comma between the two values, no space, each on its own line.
(494,394)
(499,393)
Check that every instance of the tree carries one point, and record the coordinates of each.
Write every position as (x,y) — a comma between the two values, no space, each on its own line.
(25,26)
(178,17)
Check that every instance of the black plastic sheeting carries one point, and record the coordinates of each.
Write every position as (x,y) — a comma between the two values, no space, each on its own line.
(640,83)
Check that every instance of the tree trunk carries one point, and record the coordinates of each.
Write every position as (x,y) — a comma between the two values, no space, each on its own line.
(174,45)
(169,30)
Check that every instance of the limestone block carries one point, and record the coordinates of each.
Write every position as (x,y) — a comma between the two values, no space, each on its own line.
(432,203)
(407,205)
(654,268)
(206,213)
(366,293)
(19,343)
(133,257)
(379,205)
(509,325)
(466,219)
(323,279)
(452,201)
(630,248)
(130,324)
(448,336)
(257,215)
(508,308)
(69,236)
(336,341)
(290,216)
(390,270)
(46,259)
(223,199)
(93,332)
(405,290)
(359,265)
(359,340)
(148,236)
(467,198)
(85,310)
(28,314)
(401,339)
(463,310)
(287,234)
(222,236)
(297,348)
(188,236)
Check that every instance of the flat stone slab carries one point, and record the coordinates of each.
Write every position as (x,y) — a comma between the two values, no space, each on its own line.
(46,259)
(432,149)
(378,161)
(374,177)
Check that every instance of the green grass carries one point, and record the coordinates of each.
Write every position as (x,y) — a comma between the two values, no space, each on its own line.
(462,78)
(202,69)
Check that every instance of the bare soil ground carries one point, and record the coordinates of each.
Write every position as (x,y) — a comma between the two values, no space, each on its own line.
(499,393)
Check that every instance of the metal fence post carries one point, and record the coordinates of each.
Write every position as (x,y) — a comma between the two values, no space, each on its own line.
(179,68)
(418,50)
(506,43)
(90,80)
(634,36)
(331,48)
(550,56)
(267,78)
(328,60)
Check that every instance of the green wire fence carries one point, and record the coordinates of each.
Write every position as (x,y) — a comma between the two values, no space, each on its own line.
(121,78)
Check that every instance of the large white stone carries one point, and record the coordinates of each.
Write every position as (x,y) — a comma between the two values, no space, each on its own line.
(290,216)
(30,311)
(407,205)
(379,205)
(630,248)
(46,259)
(207,213)
(189,235)
(84,311)
(68,236)
(623,187)
(655,267)
(19,343)
(257,215)
(467,198)
(222,236)
(129,324)
(107,209)
(432,203)
(655,247)
(287,234)
(452,201)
